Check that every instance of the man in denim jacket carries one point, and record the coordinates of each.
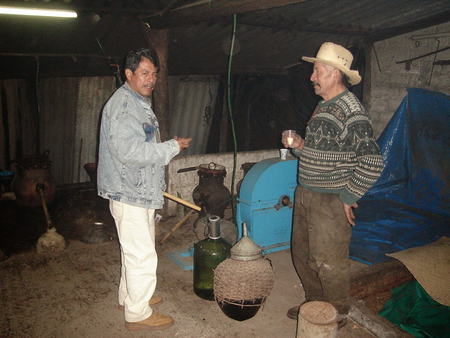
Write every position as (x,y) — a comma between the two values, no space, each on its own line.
(131,175)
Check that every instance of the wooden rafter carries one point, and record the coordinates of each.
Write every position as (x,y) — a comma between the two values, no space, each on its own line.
(416,25)
(206,10)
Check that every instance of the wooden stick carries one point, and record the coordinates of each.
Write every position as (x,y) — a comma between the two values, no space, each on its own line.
(181,201)
(176,226)
(44,205)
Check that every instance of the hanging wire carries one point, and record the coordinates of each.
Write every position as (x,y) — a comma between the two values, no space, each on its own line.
(38,124)
(113,64)
(432,64)
(233,205)
(207,116)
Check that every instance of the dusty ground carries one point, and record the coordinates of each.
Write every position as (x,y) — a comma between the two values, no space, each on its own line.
(73,293)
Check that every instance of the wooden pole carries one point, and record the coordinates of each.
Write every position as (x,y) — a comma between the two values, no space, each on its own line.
(185,218)
(159,41)
(181,201)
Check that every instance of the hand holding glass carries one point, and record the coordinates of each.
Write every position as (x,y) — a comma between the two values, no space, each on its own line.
(289,134)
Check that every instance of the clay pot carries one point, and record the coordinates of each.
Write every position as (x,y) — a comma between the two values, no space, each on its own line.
(210,190)
(91,169)
(34,171)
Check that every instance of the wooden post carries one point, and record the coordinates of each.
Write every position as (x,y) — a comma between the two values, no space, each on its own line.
(159,41)
(317,320)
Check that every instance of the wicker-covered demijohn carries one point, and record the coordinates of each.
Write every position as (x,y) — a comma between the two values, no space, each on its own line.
(243,282)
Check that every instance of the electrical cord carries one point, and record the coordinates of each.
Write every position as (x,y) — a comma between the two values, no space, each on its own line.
(233,206)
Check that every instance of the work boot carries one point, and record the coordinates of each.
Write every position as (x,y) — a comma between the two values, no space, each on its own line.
(153,302)
(293,312)
(342,321)
(157,321)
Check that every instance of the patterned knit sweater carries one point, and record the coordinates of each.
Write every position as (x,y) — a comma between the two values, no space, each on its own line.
(340,154)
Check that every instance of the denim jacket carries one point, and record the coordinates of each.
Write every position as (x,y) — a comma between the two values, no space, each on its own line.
(131,155)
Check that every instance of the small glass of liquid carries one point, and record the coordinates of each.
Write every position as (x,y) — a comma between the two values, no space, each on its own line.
(289,136)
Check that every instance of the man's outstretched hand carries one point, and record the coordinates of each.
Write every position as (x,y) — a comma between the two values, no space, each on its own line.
(183,143)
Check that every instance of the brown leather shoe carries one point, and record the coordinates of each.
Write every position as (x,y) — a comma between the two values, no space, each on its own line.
(153,302)
(157,321)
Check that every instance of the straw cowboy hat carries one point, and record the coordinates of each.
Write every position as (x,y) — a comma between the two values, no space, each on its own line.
(336,56)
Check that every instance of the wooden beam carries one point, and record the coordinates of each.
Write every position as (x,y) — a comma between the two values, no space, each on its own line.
(442,62)
(207,10)
(159,41)
(177,70)
(72,56)
(377,325)
(299,27)
(416,25)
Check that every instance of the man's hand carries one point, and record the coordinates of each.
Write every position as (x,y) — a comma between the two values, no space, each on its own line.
(183,143)
(297,143)
(349,213)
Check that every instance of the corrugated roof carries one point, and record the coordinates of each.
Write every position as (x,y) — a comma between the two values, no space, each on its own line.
(270,35)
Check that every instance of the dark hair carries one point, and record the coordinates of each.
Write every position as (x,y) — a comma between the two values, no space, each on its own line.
(135,57)
(345,80)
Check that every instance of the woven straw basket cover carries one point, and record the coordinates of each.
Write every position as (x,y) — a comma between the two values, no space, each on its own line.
(430,265)
(243,280)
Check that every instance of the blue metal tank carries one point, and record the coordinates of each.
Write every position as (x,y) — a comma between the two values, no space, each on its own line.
(266,201)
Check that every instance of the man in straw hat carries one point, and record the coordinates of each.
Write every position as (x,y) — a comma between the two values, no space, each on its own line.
(339,161)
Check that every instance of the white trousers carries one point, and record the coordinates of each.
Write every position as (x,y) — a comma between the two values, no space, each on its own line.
(136,231)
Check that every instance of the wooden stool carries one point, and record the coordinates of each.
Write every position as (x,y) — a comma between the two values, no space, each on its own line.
(317,320)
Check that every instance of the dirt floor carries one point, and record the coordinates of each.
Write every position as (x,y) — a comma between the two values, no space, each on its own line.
(73,293)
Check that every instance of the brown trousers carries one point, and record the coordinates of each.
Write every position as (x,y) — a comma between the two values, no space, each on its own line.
(320,243)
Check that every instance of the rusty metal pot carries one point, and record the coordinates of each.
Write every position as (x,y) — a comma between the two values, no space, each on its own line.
(211,190)
(34,171)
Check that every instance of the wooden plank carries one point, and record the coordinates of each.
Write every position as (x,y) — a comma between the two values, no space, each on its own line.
(379,326)
(374,285)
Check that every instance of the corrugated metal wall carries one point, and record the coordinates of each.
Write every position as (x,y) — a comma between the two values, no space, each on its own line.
(92,95)
(70,111)
(58,111)
(192,100)
(18,121)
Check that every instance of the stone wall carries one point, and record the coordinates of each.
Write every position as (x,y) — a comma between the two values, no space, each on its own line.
(389,80)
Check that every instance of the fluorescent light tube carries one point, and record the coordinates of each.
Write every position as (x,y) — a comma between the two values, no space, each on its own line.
(37,12)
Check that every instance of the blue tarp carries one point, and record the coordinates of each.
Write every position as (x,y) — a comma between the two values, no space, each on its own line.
(410,203)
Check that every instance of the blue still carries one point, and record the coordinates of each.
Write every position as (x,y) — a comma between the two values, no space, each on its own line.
(266,203)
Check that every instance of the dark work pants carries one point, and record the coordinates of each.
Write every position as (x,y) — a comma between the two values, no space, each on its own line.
(320,243)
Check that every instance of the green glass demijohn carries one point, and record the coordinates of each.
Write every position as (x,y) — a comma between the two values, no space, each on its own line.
(208,253)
